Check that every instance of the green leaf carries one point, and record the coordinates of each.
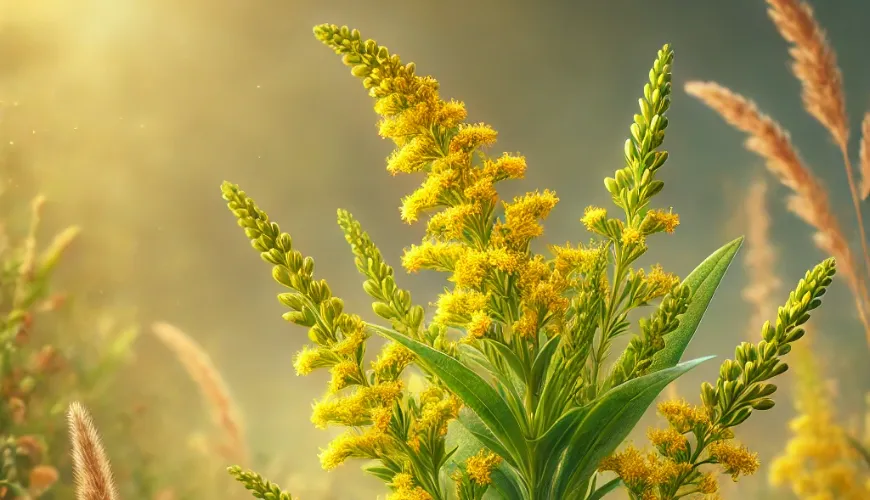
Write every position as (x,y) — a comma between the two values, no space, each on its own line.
(607,488)
(474,391)
(550,447)
(505,384)
(465,434)
(609,421)
(507,483)
(542,362)
(385,474)
(517,375)
(472,424)
(703,282)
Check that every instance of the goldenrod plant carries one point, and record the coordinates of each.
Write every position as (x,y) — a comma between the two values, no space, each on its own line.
(522,399)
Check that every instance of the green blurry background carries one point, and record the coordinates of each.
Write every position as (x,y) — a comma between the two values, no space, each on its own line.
(131,112)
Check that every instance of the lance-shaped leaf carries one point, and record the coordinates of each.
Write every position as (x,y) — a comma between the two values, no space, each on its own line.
(474,392)
(608,423)
(601,491)
(465,436)
(703,282)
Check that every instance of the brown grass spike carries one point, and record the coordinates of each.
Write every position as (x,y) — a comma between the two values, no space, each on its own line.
(864,157)
(814,63)
(203,372)
(93,473)
(810,199)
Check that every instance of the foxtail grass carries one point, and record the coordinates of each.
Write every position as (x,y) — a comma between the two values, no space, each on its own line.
(93,472)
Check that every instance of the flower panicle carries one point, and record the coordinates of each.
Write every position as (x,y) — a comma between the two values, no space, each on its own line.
(633,186)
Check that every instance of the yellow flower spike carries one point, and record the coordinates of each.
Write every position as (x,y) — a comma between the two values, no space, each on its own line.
(393,359)
(818,460)
(639,471)
(570,260)
(455,308)
(349,411)
(527,326)
(354,337)
(415,156)
(669,441)
(632,237)
(708,484)
(381,418)
(659,282)
(470,137)
(449,223)
(383,394)
(522,216)
(506,167)
(308,360)
(504,260)
(683,416)
(479,325)
(343,375)
(471,268)
(436,256)
(429,195)
(593,218)
(735,459)
(482,192)
(658,220)
(480,466)
(436,414)
(404,488)
(369,444)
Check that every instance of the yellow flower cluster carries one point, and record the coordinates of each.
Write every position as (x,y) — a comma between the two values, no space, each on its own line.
(642,472)
(735,459)
(662,475)
(404,488)
(682,416)
(479,467)
(437,409)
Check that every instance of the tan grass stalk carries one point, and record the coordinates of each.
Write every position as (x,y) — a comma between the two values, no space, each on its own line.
(93,473)
(814,63)
(203,372)
(810,200)
(864,157)
(760,261)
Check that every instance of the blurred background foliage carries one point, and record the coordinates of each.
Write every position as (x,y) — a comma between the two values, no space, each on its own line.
(127,115)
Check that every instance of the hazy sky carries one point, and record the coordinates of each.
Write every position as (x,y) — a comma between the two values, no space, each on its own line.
(131,112)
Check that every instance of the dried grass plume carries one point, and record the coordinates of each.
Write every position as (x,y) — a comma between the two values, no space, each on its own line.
(93,473)
(814,63)
(214,389)
(810,199)
(864,157)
